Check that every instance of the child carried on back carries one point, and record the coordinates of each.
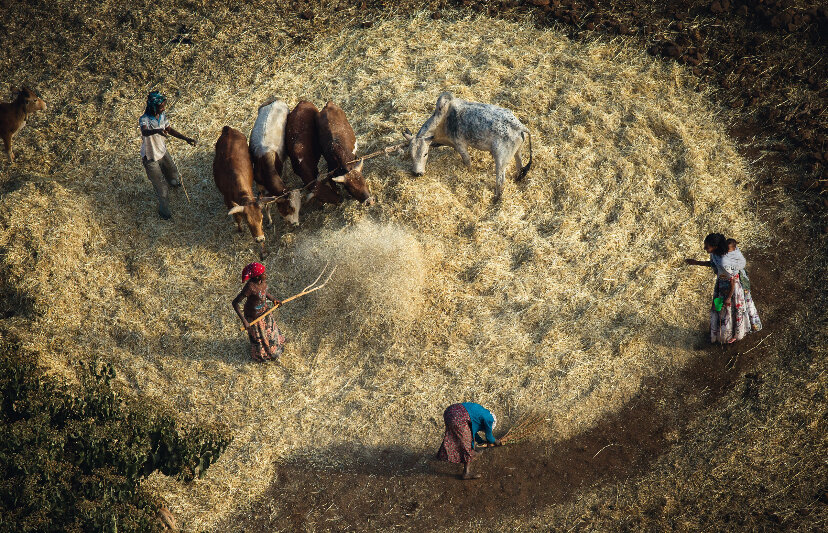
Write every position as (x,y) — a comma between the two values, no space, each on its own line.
(734,262)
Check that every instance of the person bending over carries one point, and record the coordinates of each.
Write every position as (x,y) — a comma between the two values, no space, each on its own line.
(463,422)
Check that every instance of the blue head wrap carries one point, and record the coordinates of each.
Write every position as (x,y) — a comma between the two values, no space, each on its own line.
(154,99)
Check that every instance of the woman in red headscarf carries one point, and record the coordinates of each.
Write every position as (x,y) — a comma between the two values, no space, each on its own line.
(266,342)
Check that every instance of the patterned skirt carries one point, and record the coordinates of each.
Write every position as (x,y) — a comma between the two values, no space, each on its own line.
(755,323)
(266,341)
(736,320)
(457,442)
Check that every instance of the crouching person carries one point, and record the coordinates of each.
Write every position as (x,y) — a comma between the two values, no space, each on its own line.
(266,341)
(463,422)
(161,169)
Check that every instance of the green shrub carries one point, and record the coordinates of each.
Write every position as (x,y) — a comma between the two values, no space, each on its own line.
(71,457)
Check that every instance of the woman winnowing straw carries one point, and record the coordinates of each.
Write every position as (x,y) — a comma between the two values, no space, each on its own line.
(463,421)
(737,315)
(266,342)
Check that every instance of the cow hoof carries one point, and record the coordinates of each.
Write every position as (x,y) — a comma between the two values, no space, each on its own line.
(416,173)
(164,211)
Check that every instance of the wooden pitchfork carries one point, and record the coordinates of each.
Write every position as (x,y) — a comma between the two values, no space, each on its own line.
(307,290)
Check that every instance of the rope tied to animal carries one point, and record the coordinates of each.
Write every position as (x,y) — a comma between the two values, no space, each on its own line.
(388,150)
(307,290)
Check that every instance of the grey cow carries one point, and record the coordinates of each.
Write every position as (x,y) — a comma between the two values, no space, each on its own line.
(460,124)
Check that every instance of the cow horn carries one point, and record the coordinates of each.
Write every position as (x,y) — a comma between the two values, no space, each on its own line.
(407,135)
(235,210)
(358,166)
(338,179)
(264,200)
(310,196)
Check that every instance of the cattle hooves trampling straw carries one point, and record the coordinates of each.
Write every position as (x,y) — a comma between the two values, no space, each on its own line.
(462,124)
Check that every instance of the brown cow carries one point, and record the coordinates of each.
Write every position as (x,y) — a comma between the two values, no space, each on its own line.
(13,115)
(267,149)
(302,146)
(233,174)
(338,142)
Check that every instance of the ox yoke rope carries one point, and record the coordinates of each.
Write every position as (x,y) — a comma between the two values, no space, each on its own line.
(387,150)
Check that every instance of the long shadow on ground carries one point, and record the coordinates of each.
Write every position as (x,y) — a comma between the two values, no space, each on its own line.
(403,489)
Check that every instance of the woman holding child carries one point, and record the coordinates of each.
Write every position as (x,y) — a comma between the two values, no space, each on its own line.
(737,315)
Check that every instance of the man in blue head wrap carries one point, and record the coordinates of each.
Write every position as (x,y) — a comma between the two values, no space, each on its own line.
(161,169)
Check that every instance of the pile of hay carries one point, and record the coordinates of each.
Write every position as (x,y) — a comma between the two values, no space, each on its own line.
(376,290)
(561,298)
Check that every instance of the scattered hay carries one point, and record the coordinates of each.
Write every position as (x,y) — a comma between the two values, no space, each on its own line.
(376,291)
(561,298)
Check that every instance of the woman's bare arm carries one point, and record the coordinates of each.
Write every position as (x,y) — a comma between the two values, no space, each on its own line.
(237,306)
(178,135)
(146,132)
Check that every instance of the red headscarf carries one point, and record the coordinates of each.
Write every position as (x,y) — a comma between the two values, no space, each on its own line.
(252,270)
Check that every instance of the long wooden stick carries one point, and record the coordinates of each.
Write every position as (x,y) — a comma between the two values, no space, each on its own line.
(322,177)
(306,290)
(181,181)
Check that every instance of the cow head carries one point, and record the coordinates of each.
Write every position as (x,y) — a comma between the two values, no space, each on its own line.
(31,102)
(418,149)
(355,184)
(252,214)
(289,206)
(324,193)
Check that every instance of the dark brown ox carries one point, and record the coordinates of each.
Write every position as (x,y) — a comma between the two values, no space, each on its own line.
(302,146)
(233,174)
(338,142)
(267,150)
(13,116)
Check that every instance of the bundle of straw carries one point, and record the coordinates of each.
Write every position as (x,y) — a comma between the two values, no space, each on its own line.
(527,426)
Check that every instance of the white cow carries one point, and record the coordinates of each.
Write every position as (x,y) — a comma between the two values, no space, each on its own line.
(267,150)
(462,124)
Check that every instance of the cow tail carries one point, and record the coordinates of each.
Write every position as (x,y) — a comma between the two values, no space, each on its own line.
(525,169)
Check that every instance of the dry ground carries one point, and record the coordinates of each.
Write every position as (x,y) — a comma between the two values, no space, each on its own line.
(569,296)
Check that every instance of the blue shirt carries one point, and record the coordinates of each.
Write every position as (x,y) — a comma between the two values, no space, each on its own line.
(481,420)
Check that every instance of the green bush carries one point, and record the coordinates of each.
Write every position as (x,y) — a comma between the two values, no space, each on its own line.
(71,457)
